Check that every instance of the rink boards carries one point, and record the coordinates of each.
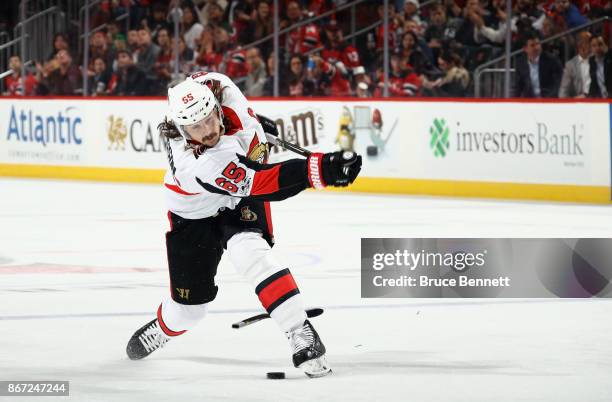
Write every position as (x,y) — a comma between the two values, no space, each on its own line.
(504,149)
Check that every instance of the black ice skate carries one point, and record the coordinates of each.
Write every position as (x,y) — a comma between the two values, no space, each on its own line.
(146,340)
(308,351)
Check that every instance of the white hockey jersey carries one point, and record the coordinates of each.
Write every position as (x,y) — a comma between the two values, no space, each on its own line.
(189,171)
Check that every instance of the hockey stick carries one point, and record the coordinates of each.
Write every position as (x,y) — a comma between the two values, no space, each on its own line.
(287,145)
(311,312)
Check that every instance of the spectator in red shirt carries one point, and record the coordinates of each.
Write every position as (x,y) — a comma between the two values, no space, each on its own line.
(206,58)
(401,83)
(394,26)
(336,49)
(304,38)
(13,83)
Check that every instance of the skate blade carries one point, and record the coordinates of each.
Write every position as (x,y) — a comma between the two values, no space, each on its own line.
(316,368)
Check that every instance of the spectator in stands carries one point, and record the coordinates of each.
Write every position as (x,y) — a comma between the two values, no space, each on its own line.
(236,66)
(60,42)
(538,73)
(469,32)
(186,57)
(131,81)
(191,28)
(203,9)
(342,56)
(244,17)
(557,47)
(14,84)
(304,38)
(298,83)
(362,82)
(102,80)
(570,14)
(600,69)
(337,50)
(440,31)
(411,56)
(165,57)
(99,48)
(157,20)
(362,90)
(269,85)
(216,17)
(576,79)
(402,83)
(526,16)
(454,83)
(525,10)
(223,51)
(263,26)
(394,25)
(207,58)
(256,79)
(133,40)
(146,55)
(65,79)
(411,12)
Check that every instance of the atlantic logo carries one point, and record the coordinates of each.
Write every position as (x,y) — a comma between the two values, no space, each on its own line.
(541,140)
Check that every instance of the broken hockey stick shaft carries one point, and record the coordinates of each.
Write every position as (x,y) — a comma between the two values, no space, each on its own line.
(311,312)
(288,146)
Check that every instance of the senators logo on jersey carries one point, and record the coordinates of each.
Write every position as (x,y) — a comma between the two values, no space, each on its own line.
(259,153)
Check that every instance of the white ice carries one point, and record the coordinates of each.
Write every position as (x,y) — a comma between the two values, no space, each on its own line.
(83,265)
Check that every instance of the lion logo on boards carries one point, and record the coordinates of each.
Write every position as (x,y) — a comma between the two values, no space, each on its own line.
(247,215)
(117,132)
(183,293)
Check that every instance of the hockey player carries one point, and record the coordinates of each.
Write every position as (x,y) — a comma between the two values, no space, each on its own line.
(218,186)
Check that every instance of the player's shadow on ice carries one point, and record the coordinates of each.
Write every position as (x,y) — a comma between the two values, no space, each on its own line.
(223,361)
(403,362)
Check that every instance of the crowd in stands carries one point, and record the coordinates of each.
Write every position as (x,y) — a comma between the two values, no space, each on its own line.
(434,48)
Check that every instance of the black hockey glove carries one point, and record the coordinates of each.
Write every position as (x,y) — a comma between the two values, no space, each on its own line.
(337,169)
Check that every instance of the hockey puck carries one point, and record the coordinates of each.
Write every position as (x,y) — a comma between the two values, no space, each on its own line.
(276,375)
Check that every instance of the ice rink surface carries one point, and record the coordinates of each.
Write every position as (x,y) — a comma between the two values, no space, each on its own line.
(83,265)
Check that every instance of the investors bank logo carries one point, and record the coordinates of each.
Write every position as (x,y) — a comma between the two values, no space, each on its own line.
(438,141)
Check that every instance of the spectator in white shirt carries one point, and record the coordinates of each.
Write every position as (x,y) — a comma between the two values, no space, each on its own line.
(576,76)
